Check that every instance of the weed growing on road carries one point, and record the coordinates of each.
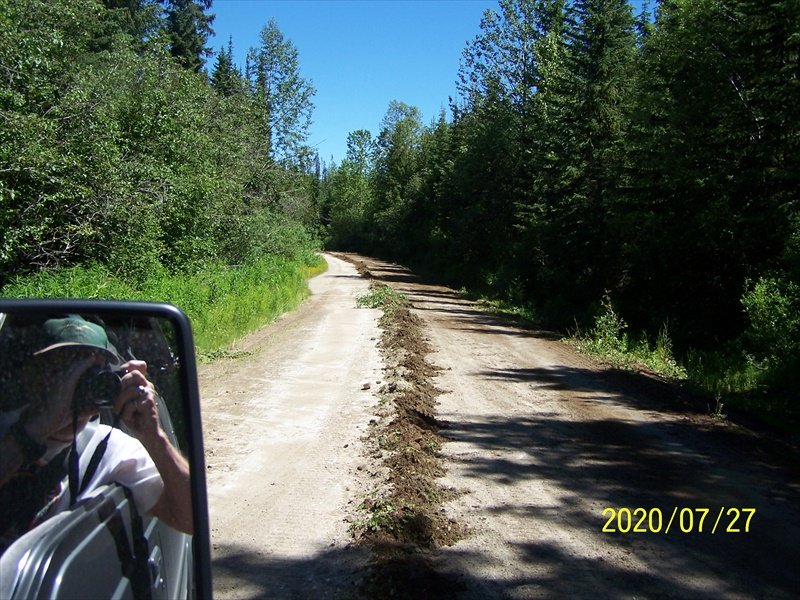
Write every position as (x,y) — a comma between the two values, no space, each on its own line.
(381,296)
(381,515)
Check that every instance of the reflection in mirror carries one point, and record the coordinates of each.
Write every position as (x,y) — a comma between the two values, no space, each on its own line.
(95,488)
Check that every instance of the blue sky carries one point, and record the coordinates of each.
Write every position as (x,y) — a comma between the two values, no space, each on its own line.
(360,55)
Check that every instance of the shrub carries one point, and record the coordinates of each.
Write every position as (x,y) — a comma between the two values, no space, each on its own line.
(772,307)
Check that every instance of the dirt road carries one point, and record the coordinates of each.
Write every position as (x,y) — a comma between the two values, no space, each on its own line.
(541,443)
(283,427)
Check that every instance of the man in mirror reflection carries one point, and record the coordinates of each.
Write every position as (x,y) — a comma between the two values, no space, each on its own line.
(55,454)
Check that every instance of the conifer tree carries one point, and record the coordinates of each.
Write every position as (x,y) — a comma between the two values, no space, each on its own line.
(283,95)
(588,107)
(189,27)
(138,19)
(226,77)
(714,155)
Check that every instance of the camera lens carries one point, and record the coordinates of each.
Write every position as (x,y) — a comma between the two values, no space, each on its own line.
(97,387)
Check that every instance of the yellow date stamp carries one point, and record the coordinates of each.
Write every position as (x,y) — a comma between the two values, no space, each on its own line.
(684,520)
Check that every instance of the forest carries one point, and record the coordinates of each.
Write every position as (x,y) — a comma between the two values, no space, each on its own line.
(635,176)
(631,176)
(128,171)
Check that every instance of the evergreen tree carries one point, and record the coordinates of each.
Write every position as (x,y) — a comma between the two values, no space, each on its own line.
(226,77)
(189,27)
(715,163)
(586,110)
(138,18)
(500,81)
(502,57)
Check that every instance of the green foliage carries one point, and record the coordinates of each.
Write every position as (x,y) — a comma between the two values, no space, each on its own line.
(113,154)
(188,28)
(223,303)
(283,96)
(711,157)
(591,151)
(381,296)
(125,174)
(723,373)
(92,281)
(608,339)
(226,78)
(501,307)
(587,152)
(773,312)
(396,179)
(609,329)
(382,515)
(350,194)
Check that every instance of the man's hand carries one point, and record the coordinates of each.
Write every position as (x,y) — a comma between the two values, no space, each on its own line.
(136,405)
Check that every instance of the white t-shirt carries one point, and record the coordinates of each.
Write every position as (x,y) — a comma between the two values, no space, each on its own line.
(125,461)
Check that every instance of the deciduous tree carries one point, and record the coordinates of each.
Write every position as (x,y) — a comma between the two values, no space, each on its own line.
(284,96)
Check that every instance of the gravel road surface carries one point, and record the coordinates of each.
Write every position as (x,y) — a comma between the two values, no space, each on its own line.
(543,442)
(283,427)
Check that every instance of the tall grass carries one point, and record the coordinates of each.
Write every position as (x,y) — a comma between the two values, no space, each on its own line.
(609,339)
(224,303)
(727,377)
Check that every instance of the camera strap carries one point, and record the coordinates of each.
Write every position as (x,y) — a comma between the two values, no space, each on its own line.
(75,486)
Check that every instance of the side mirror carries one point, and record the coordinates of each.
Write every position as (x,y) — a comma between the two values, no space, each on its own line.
(102,472)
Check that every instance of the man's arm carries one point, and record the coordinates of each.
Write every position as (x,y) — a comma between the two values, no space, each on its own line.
(174,506)
(138,409)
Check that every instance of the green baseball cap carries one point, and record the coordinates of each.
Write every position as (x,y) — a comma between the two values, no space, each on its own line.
(73,331)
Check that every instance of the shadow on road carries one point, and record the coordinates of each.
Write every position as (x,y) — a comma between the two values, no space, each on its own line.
(342,573)
(648,465)
(240,573)
(670,465)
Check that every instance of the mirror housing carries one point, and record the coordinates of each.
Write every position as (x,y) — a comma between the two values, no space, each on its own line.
(187,398)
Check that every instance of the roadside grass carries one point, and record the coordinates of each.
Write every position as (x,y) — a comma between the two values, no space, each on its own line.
(735,380)
(609,340)
(223,303)
(503,308)
(723,373)
(728,379)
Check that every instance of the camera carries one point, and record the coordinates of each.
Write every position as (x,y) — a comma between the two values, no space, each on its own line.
(98,387)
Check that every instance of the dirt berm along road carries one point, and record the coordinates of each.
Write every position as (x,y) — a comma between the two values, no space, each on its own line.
(544,448)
